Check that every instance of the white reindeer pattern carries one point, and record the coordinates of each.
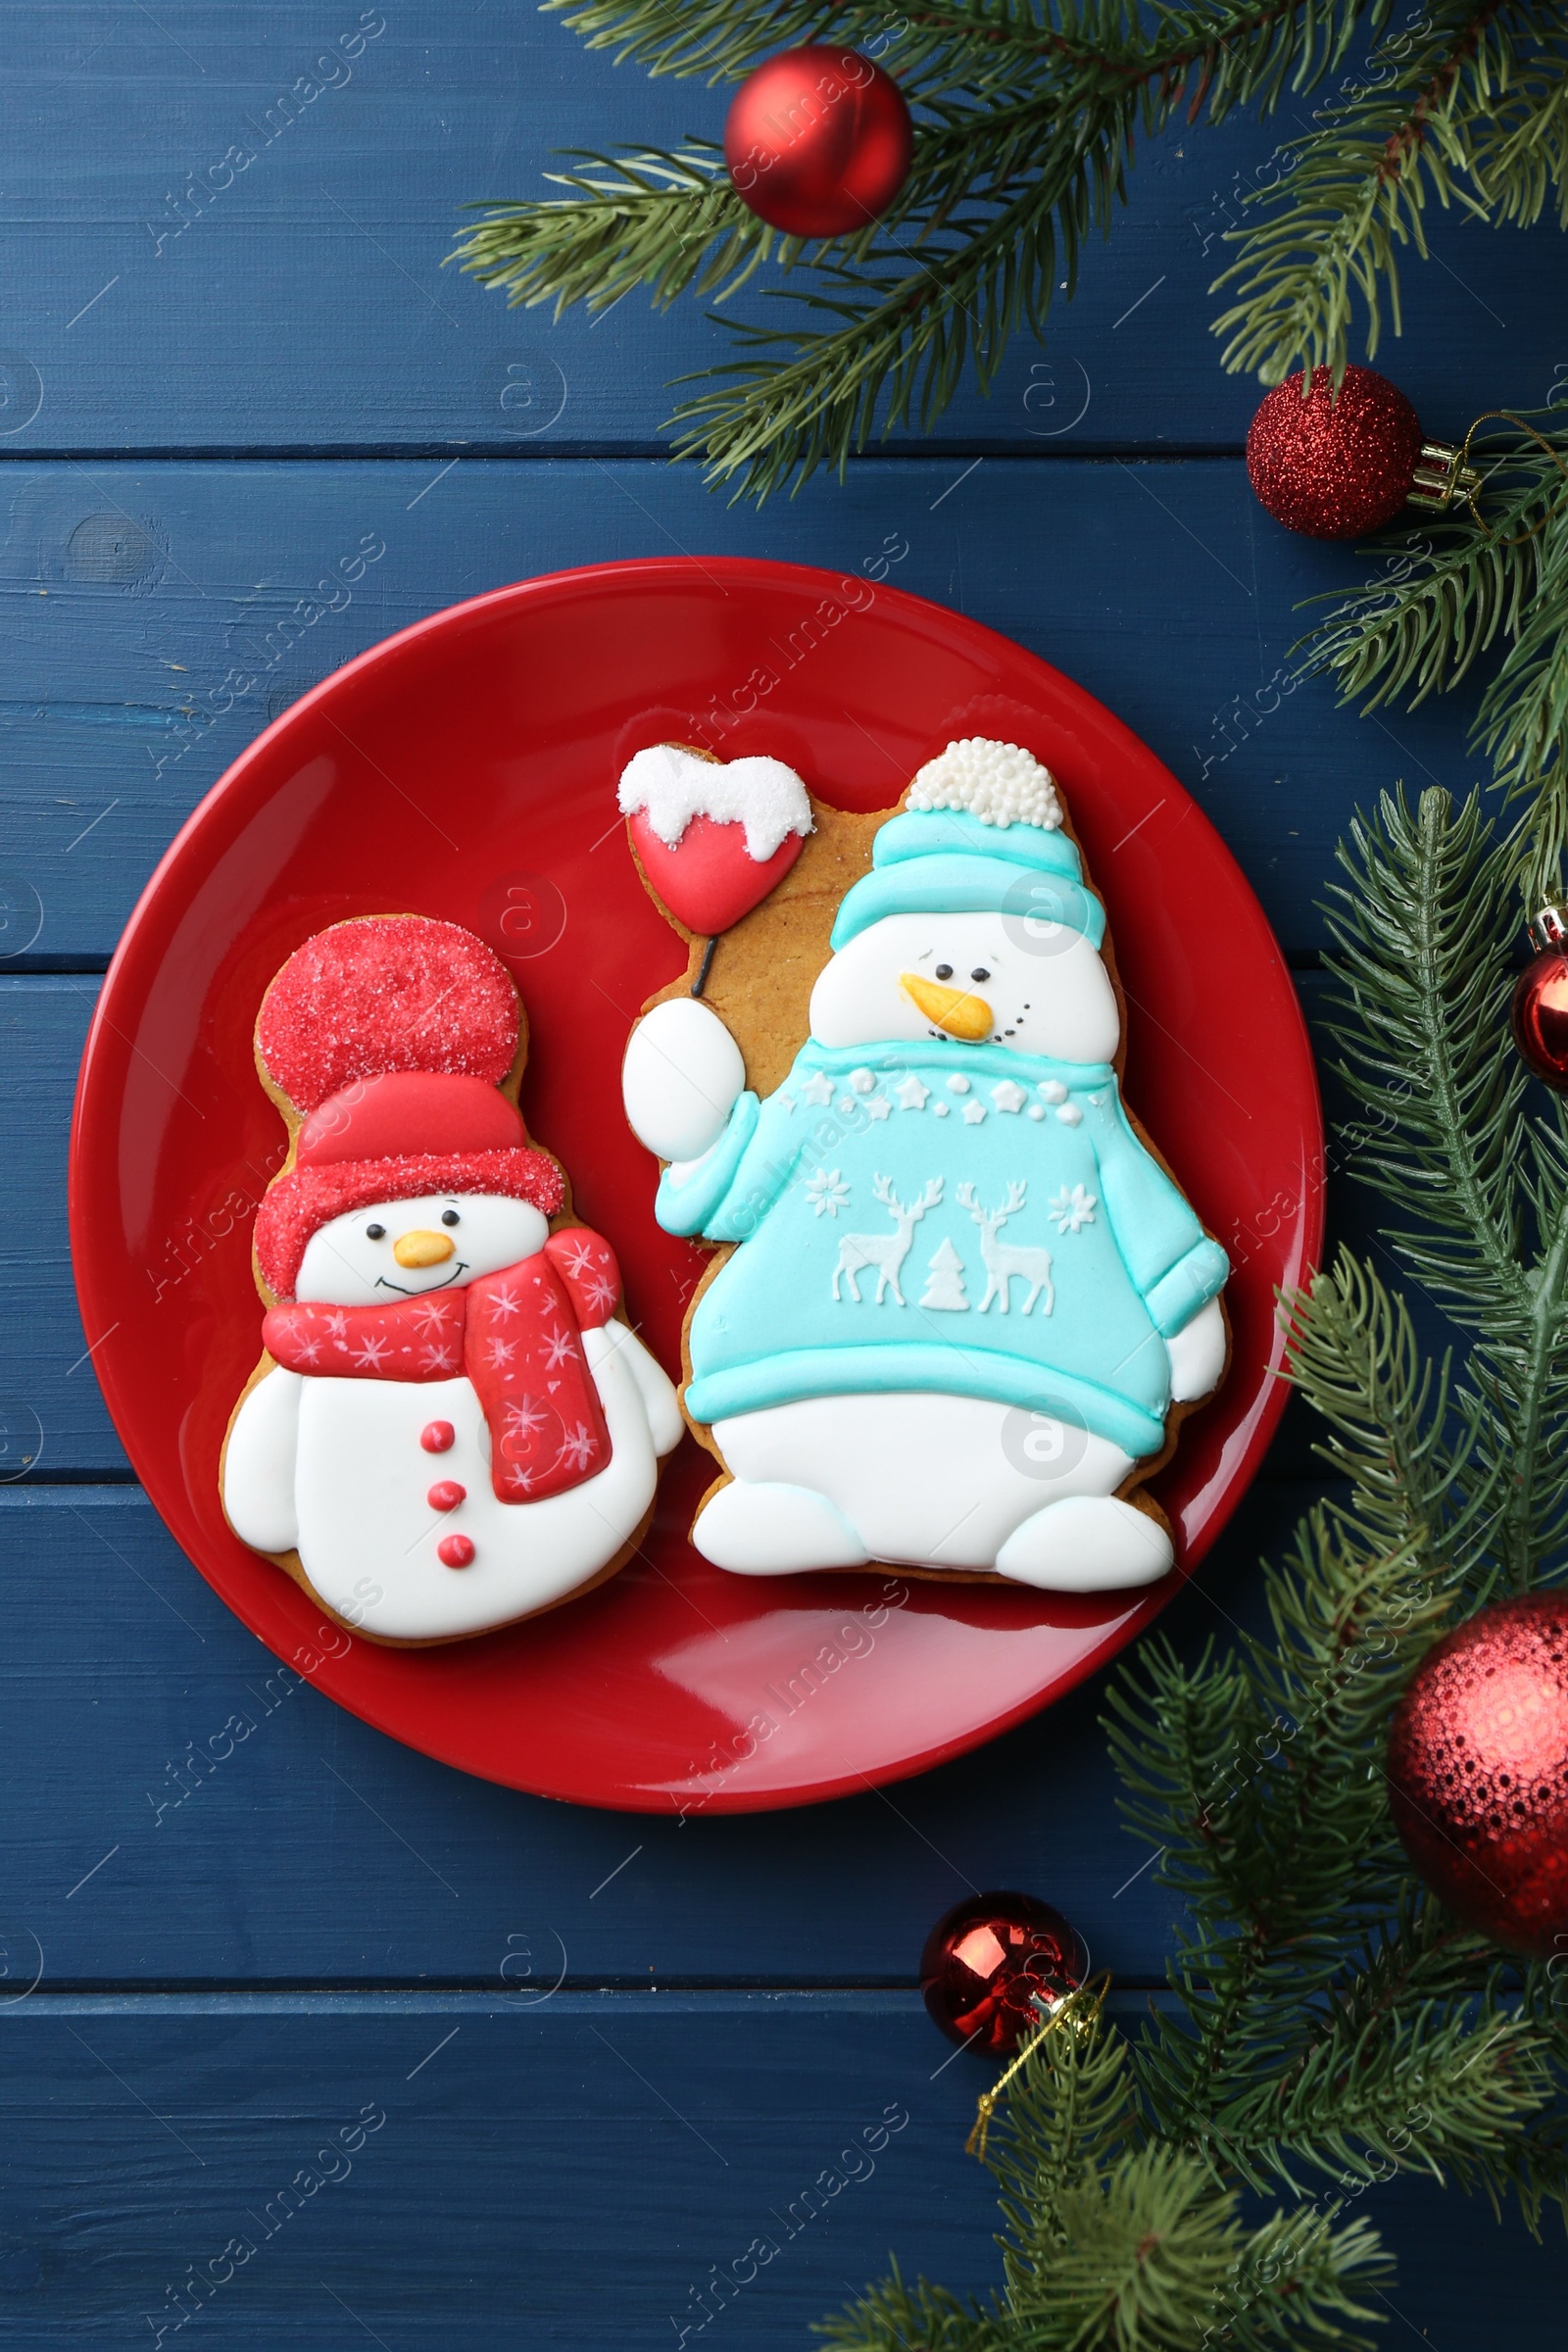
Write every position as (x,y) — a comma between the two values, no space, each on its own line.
(1003,1261)
(886,1251)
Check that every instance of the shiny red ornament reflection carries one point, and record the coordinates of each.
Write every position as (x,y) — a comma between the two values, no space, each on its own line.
(1540,1012)
(989,1963)
(819,141)
(1477,1772)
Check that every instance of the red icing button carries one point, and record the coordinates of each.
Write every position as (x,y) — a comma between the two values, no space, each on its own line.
(455,1551)
(446,1494)
(436,1435)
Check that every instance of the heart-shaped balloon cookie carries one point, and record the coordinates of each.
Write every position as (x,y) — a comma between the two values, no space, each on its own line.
(713,837)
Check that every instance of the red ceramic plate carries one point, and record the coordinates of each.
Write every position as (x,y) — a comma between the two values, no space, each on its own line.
(466,769)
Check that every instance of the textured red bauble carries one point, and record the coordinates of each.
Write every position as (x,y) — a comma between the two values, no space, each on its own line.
(1477,1772)
(1539,1012)
(819,141)
(989,1963)
(1333,467)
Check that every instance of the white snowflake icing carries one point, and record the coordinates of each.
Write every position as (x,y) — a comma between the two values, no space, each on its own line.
(1009,1095)
(525,1416)
(581,1259)
(562,1347)
(912,1094)
(430,1315)
(1072,1211)
(501,1353)
(863,1080)
(578,1447)
(372,1353)
(601,1290)
(999,783)
(1051,1089)
(437,1359)
(828,1191)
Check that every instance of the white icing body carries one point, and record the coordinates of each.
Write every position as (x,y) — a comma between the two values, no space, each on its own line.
(334,1469)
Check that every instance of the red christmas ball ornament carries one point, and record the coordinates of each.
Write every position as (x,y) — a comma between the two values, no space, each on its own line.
(1540,1012)
(991,1964)
(1477,1772)
(1336,467)
(819,141)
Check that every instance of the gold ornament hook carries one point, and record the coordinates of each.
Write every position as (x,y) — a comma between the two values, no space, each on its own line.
(1083,2021)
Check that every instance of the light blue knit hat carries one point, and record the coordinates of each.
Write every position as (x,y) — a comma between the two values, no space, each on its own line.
(980,833)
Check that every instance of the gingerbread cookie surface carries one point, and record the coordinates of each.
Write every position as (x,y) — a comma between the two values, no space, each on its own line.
(449,1429)
(960,1304)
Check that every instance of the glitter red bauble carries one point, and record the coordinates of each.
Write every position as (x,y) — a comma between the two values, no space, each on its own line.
(1539,1015)
(1477,1772)
(988,1962)
(1333,467)
(819,141)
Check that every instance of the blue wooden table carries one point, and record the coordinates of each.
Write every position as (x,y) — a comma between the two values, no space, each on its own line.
(305,2039)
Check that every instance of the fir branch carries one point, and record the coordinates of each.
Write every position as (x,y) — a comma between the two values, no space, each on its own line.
(1358,186)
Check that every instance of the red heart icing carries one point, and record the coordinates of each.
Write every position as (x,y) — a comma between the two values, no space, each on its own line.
(710,879)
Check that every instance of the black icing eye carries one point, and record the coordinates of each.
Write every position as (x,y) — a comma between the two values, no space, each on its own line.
(375,1233)
(979,973)
(449,1216)
(944,971)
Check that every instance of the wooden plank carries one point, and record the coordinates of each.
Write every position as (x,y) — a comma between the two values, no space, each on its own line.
(196,1815)
(255,207)
(1162,588)
(578,2172)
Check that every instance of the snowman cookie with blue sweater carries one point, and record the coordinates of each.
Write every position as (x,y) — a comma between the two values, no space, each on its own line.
(961,1302)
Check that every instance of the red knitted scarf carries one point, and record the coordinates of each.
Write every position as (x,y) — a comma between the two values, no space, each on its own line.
(515,1334)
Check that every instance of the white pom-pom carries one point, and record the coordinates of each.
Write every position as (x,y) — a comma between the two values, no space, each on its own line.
(673,786)
(998,783)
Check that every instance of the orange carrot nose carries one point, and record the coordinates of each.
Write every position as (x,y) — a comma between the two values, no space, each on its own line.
(422,1248)
(952,1009)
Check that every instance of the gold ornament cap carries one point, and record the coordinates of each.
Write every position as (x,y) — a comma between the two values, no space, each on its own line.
(1444,473)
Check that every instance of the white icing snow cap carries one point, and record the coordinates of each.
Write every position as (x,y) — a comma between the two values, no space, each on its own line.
(998,783)
(673,786)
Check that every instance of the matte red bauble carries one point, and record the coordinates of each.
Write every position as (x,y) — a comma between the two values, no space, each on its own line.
(988,1962)
(1477,1772)
(1335,468)
(819,141)
(1541,999)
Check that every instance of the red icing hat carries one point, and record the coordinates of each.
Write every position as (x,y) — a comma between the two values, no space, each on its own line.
(392,1033)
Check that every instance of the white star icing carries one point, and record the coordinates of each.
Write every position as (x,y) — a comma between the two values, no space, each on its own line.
(818,1088)
(973,1114)
(1070,1114)
(940,1110)
(958,1084)
(1009,1095)
(788,1102)
(911,1095)
(878,1107)
(1051,1089)
(862,1081)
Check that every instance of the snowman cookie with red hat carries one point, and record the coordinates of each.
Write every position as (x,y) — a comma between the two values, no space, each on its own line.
(451,1428)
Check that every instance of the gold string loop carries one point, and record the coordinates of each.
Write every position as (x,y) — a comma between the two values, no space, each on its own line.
(1082,2019)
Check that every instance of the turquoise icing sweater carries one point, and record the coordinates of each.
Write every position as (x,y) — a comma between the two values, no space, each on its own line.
(818,1184)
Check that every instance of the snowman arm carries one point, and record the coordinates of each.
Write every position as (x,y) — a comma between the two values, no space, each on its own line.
(680,1079)
(259,1463)
(1172,1261)
(654,1384)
